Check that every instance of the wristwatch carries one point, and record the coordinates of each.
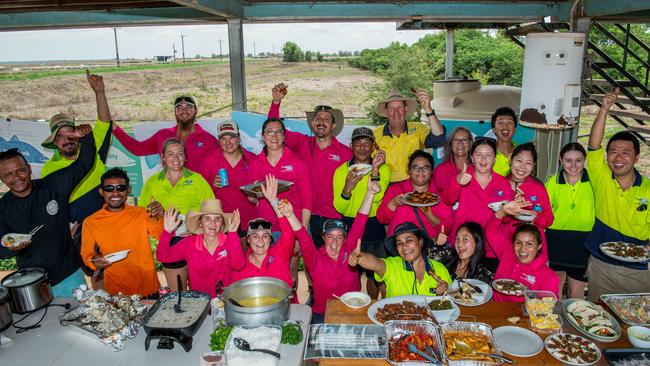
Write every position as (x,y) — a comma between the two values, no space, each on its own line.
(433,113)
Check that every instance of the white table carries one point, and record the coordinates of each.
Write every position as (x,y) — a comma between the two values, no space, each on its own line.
(53,344)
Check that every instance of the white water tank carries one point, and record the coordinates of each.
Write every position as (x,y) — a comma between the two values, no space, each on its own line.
(550,91)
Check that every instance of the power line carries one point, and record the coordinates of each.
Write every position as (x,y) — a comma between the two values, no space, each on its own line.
(220,53)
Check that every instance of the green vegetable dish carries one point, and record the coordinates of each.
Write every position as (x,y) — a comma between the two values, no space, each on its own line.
(291,333)
(219,337)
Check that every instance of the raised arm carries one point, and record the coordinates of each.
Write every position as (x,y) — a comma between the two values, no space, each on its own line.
(148,146)
(165,252)
(233,245)
(96,83)
(278,92)
(598,127)
(367,261)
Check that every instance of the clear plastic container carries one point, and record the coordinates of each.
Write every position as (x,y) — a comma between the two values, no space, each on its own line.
(396,329)
(543,311)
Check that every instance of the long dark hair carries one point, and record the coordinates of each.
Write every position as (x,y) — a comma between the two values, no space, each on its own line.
(478,236)
(448,153)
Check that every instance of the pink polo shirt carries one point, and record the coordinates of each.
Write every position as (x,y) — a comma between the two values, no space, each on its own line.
(535,192)
(331,277)
(473,201)
(205,269)
(444,173)
(231,196)
(321,165)
(277,260)
(535,275)
(289,168)
(408,213)
(197,145)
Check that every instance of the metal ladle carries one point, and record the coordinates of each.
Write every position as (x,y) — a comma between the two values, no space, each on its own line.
(467,350)
(243,345)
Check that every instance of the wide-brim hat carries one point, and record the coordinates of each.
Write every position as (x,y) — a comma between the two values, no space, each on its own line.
(336,114)
(411,104)
(208,207)
(407,227)
(56,122)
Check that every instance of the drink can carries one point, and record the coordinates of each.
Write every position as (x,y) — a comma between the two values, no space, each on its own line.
(223,175)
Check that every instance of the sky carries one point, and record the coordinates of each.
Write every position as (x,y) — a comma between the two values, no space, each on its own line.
(145,42)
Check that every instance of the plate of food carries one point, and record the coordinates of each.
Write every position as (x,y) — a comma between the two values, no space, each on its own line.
(591,320)
(443,308)
(420,199)
(464,292)
(409,307)
(255,189)
(355,299)
(509,287)
(625,252)
(360,169)
(12,240)
(572,349)
(479,336)
(632,309)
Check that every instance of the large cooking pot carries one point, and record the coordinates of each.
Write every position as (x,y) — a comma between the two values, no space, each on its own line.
(257,287)
(5,309)
(29,288)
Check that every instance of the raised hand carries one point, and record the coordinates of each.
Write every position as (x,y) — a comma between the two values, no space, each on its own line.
(610,98)
(517,207)
(425,100)
(278,92)
(82,130)
(374,187)
(441,287)
(464,177)
(233,225)
(285,207)
(351,181)
(442,237)
(353,259)
(155,208)
(379,159)
(96,82)
(270,188)
(171,219)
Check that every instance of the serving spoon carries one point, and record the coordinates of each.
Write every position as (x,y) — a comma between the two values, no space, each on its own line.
(467,350)
(177,307)
(243,345)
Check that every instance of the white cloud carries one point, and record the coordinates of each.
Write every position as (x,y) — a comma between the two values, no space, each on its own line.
(145,42)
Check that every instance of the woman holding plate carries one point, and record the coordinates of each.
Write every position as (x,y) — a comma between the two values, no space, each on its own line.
(396,209)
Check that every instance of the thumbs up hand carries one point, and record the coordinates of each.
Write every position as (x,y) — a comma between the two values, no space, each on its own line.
(464,177)
(353,259)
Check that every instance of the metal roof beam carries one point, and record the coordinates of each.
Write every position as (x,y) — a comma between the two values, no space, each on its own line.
(224,8)
(84,19)
(602,8)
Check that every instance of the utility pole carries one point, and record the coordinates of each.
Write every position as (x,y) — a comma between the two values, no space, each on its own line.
(273,52)
(174,51)
(183,46)
(117,51)
(220,53)
(254,49)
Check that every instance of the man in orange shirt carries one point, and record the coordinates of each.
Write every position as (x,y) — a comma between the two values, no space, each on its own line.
(118,227)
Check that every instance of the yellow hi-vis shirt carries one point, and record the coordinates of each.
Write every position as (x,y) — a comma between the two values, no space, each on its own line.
(573,206)
(399,277)
(186,195)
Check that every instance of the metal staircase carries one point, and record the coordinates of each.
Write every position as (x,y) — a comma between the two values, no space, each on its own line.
(608,72)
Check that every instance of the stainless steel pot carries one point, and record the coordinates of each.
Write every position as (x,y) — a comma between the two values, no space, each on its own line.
(273,314)
(29,288)
(5,309)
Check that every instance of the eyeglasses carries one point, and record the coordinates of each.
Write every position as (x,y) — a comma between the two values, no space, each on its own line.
(273,133)
(464,140)
(421,168)
(185,106)
(112,187)
(259,224)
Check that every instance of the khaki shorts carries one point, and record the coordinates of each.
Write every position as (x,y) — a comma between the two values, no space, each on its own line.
(606,278)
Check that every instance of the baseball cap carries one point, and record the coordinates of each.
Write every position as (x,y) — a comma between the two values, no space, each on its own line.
(227,128)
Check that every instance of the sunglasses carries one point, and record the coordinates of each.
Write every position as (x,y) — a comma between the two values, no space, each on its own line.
(322,108)
(112,187)
(259,224)
(479,140)
(186,99)
(335,223)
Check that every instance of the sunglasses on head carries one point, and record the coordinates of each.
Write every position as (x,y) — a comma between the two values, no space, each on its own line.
(322,108)
(185,98)
(112,187)
(483,139)
(335,223)
(259,224)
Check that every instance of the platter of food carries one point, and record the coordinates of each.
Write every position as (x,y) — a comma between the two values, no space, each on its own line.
(420,199)
(591,320)
(414,307)
(572,349)
(255,189)
(632,309)
(478,336)
(464,294)
(509,287)
(423,334)
(625,252)
(360,169)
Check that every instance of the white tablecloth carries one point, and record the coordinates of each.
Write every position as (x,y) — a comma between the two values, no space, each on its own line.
(53,344)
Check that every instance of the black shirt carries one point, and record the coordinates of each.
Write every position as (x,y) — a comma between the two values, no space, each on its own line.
(47,204)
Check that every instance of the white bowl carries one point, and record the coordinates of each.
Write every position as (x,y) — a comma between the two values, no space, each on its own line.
(355,299)
(635,333)
(117,256)
(525,217)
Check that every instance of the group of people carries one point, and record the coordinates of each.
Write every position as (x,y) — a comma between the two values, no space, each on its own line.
(494,219)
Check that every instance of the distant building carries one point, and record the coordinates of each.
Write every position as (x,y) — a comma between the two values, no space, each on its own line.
(163,59)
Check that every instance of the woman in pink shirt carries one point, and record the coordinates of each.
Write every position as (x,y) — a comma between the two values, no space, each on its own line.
(261,258)
(456,154)
(393,211)
(235,159)
(280,161)
(523,163)
(474,188)
(328,266)
(522,262)
(210,254)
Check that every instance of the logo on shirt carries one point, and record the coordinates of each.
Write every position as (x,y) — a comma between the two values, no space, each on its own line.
(286,168)
(529,278)
(335,157)
(412,130)
(500,193)
(533,198)
(199,144)
(643,205)
(188,182)
(222,254)
(52,208)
